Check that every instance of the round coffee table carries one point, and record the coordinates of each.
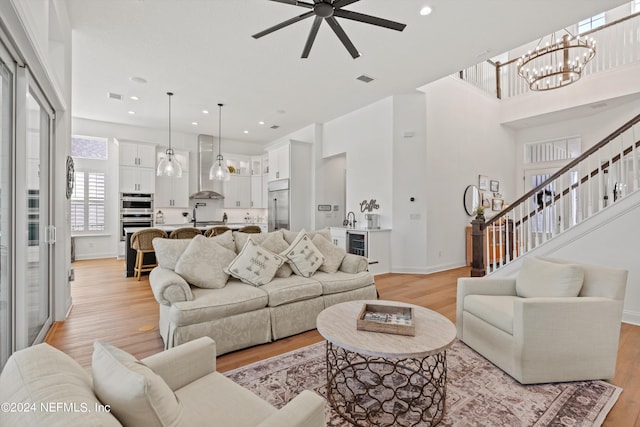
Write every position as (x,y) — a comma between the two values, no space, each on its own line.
(386,379)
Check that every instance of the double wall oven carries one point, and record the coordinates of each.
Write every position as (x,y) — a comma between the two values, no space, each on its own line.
(136,210)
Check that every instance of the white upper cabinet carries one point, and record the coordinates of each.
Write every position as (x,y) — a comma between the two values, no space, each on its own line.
(137,167)
(279,163)
(134,154)
(173,192)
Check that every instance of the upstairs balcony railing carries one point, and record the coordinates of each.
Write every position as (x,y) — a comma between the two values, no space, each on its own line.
(604,174)
(618,44)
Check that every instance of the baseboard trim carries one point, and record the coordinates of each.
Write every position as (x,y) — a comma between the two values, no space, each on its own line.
(631,317)
(426,270)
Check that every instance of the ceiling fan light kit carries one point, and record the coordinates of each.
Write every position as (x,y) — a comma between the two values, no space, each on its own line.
(328,10)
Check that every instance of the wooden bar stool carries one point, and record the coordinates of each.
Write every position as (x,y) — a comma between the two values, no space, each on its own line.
(216,231)
(141,242)
(185,233)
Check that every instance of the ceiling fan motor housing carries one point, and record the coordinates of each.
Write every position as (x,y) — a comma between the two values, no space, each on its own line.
(323,10)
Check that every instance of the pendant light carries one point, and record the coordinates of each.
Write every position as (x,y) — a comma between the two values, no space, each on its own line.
(219,170)
(169,165)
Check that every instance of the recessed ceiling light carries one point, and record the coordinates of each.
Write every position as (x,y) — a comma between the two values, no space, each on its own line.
(134,98)
(260,122)
(138,80)
(194,123)
(131,112)
(205,111)
(246,131)
(425,11)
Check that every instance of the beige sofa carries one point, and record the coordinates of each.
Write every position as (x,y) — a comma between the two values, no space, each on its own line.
(42,386)
(239,315)
(556,321)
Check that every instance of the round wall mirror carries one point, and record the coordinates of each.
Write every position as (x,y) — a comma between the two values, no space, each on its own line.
(471,199)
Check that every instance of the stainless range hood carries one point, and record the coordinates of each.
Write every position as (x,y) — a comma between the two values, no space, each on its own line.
(206,187)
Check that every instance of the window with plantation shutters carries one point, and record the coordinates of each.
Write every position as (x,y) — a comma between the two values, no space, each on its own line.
(88,202)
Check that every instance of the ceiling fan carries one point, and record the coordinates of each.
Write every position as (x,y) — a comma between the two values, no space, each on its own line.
(328,10)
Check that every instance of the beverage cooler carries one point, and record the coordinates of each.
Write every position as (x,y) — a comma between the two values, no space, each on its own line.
(357,242)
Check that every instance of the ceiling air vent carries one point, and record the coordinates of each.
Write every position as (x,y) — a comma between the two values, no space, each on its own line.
(115,96)
(365,78)
(275,127)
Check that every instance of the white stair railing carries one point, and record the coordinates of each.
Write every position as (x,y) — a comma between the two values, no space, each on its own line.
(601,176)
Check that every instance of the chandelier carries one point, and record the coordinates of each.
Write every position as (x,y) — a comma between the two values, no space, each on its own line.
(169,165)
(557,64)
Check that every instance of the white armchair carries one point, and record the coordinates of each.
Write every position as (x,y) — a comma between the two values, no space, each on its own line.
(556,321)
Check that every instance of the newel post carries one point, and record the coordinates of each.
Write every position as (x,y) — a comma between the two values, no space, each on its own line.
(477,248)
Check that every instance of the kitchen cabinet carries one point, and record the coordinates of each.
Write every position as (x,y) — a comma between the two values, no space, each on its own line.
(279,163)
(339,237)
(135,179)
(292,161)
(137,167)
(173,192)
(372,244)
(136,154)
(237,191)
(259,171)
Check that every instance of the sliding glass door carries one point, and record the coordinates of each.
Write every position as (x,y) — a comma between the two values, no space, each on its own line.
(6,139)
(33,282)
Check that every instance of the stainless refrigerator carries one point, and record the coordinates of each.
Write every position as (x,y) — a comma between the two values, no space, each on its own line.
(278,207)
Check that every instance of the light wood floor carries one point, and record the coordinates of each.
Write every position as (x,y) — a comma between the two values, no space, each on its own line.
(120,310)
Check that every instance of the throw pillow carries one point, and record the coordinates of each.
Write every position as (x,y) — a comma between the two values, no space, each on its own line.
(303,255)
(333,255)
(202,263)
(290,236)
(169,251)
(241,239)
(137,395)
(254,264)
(276,244)
(538,278)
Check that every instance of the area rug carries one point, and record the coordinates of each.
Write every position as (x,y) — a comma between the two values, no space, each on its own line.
(478,393)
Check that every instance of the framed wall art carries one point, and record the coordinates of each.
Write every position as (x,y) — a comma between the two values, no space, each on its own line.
(483,182)
(494,186)
(497,204)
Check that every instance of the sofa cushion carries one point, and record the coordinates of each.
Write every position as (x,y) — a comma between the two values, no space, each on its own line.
(497,310)
(42,374)
(304,258)
(211,304)
(538,278)
(333,255)
(291,289)
(241,238)
(203,262)
(276,244)
(254,264)
(290,236)
(169,251)
(341,282)
(215,400)
(137,395)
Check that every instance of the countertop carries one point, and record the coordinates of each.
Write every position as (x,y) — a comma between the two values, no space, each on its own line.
(170,227)
(360,229)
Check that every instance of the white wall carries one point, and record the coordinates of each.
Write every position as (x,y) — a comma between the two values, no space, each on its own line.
(366,137)
(409,237)
(464,140)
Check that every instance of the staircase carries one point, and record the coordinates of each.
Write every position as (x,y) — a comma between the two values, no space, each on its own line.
(587,194)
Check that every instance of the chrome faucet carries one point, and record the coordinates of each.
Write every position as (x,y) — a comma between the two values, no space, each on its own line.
(196,206)
(353,221)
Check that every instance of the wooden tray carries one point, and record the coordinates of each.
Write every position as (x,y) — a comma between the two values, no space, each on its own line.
(384,318)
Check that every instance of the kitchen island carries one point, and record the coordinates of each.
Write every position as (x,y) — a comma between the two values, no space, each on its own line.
(130,253)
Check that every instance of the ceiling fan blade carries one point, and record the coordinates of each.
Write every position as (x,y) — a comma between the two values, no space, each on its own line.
(342,3)
(312,36)
(295,3)
(368,19)
(342,36)
(282,25)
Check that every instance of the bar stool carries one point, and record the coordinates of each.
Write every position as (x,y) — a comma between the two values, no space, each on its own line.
(141,242)
(216,231)
(250,229)
(185,233)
